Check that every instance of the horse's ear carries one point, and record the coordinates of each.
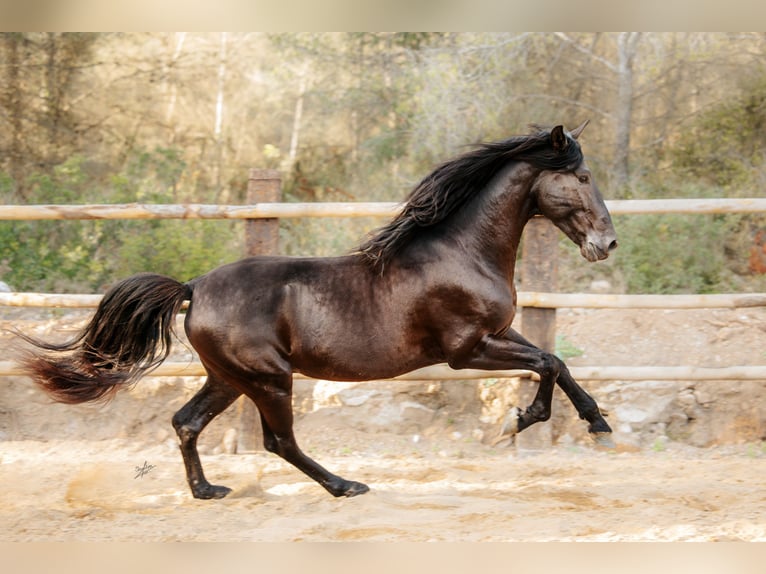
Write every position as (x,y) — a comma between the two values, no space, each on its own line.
(559,138)
(578,130)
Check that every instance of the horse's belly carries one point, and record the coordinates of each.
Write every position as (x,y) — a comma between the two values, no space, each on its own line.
(348,371)
(355,358)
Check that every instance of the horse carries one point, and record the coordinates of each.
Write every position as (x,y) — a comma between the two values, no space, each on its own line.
(435,285)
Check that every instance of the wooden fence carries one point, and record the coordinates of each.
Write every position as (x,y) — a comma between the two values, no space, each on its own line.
(264,210)
(525,299)
(267,210)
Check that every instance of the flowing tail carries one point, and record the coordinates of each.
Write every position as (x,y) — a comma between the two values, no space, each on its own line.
(129,335)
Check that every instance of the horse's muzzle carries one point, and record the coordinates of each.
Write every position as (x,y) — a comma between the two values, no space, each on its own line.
(598,250)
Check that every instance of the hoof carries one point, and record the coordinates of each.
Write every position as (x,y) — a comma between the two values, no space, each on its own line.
(510,427)
(603,439)
(210,491)
(355,489)
(347,488)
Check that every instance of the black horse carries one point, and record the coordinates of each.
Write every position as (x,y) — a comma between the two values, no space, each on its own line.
(433,286)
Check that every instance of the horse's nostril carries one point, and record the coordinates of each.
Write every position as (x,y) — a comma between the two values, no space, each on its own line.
(612,245)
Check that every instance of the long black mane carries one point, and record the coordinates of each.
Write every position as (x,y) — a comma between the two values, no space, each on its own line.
(451,184)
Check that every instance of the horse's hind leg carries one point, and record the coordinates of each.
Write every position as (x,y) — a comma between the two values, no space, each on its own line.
(276,411)
(212,399)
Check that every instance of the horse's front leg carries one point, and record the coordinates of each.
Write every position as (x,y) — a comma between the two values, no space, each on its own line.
(512,351)
(586,406)
(508,352)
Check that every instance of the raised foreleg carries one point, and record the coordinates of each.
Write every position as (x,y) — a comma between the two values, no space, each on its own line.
(585,404)
(512,351)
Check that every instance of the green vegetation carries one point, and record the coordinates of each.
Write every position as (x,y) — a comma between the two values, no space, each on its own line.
(565,349)
(175,118)
(82,256)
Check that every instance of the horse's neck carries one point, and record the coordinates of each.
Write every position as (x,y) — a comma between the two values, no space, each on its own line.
(495,220)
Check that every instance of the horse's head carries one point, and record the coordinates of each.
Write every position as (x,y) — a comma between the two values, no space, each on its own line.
(572,201)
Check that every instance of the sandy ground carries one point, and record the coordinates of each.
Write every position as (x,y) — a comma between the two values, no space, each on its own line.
(96,491)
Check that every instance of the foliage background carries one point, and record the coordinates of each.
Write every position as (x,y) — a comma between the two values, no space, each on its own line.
(181,117)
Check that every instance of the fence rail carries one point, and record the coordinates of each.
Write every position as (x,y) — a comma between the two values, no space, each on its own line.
(445,373)
(335,209)
(525,299)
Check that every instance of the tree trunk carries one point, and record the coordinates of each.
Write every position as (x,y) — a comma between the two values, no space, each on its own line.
(52,98)
(297,119)
(627,43)
(13,104)
(221,197)
(172,85)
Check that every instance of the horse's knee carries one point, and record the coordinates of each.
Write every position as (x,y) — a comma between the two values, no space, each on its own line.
(541,414)
(550,366)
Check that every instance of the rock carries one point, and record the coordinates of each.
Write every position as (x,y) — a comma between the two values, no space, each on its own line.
(600,286)
(229,441)
(333,393)
(411,413)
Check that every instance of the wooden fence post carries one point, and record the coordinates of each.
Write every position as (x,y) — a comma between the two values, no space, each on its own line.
(539,272)
(261,238)
(262,235)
